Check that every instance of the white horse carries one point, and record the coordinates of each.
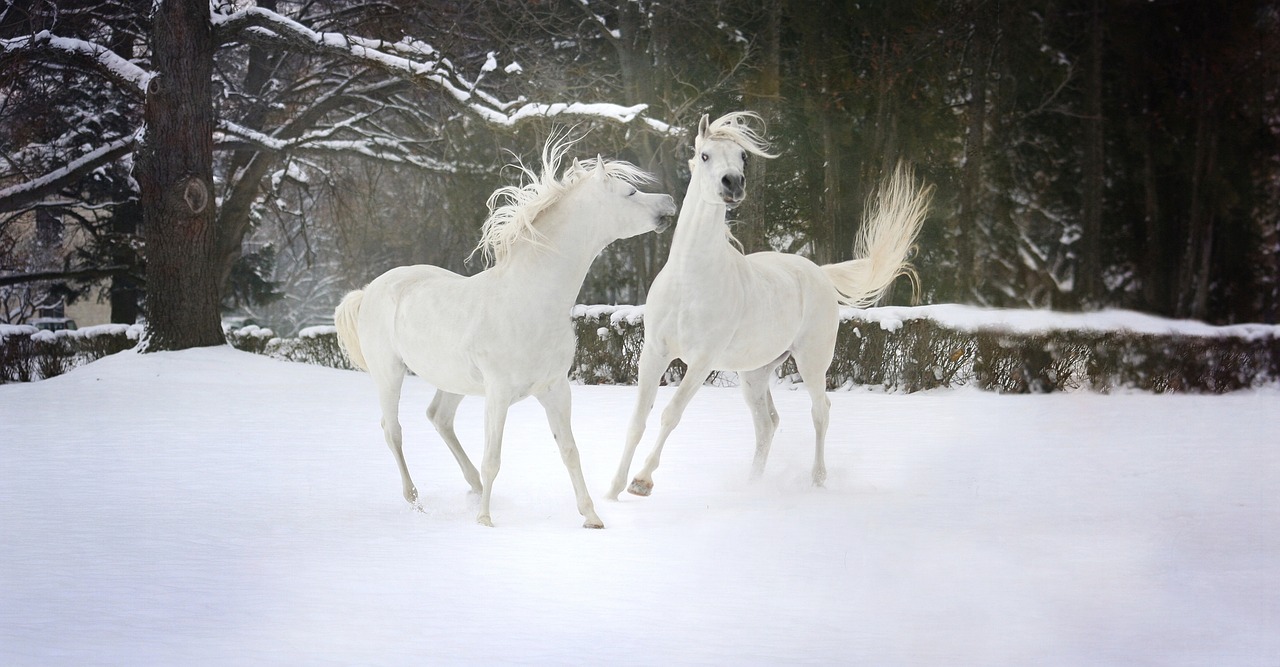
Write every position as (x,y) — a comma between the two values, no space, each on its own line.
(506,332)
(717,309)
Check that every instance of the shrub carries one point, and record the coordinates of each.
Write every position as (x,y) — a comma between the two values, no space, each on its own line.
(895,349)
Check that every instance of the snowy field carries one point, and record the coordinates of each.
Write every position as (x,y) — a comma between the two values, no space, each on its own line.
(213,507)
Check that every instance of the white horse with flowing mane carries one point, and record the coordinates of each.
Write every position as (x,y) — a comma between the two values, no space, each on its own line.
(506,332)
(717,309)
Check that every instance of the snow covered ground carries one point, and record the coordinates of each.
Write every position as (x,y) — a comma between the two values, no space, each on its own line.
(216,507)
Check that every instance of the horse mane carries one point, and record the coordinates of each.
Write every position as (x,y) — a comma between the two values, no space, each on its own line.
(514,209)
(737,127)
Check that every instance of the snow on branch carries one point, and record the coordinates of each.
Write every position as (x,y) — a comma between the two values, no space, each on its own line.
(26,193)
(416,61)
(378,147)
(129,76)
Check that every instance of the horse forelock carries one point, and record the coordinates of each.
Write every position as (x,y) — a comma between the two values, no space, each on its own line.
(738,127)
(514,209)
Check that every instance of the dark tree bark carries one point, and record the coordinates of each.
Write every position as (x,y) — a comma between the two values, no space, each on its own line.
(1093,166)
(175,176)
(967,236)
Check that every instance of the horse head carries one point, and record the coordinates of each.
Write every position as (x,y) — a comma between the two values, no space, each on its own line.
(613,188)
(720,156)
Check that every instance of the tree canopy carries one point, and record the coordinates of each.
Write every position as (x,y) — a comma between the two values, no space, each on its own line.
(1086,154)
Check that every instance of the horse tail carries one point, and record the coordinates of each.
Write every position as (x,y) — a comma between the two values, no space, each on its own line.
(889,228)
(345,318)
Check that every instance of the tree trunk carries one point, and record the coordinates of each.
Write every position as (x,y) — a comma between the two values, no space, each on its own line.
(175,177)
(1156,278)
(764,91)
(1093,166)
(966,236)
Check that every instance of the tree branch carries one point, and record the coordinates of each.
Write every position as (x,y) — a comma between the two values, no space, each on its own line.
(128,76)
(415,61)
(81,274)
(22,195)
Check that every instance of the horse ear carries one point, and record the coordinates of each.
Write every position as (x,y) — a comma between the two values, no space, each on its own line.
(577,166)
(599,164)
(702,125)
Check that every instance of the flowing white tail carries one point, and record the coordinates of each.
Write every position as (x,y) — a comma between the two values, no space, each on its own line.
(345,318)
(889,230)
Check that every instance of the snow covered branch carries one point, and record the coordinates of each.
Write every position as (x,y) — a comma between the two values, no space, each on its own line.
(26,193)
(419,62)
(130,77)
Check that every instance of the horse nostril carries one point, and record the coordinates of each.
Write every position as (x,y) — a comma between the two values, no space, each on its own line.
(732,182)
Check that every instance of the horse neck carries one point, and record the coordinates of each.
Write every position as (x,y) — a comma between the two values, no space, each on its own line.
(701,238)
(555,267)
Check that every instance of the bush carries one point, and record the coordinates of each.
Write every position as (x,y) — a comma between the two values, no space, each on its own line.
(27,353)
(895,349)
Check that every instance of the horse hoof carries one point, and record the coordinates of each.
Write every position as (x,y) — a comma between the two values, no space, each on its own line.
(411,495)
(640,487)
(484,520)
(593,523)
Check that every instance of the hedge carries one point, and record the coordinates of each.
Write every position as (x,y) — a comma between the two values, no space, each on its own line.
(894,349)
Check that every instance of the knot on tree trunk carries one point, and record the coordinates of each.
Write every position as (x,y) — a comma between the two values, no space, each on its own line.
(196,195)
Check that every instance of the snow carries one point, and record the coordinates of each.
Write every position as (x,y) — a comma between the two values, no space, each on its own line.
(438,71)
(1022,321)
(216,507)
(120,69)
(1031,321)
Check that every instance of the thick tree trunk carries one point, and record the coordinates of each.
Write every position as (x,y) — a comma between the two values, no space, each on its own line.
(175,176)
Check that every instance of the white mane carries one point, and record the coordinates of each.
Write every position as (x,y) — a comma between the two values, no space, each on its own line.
(737,127)
(514,209)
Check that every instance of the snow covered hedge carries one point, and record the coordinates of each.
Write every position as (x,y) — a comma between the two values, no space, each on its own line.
(1014,351)
(28,353)
(896,349)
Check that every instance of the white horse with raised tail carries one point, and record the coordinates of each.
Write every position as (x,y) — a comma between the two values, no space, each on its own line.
(717,309)
(506,332)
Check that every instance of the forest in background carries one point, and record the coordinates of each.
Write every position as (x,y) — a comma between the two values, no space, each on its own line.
(1086,154)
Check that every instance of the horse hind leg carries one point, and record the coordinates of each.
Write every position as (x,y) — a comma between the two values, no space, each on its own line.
(756,389)
(441,412)
(814,374)
(389,386)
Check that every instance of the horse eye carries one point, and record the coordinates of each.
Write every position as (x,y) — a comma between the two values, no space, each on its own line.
(633,191)
(744,156)
(705,157)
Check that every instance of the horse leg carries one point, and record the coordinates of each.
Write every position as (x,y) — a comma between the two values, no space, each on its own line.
(652,365)
(441,412)
(558,403)
(814,374)
(642,485)
(495,418)
(756,389)
(389,385)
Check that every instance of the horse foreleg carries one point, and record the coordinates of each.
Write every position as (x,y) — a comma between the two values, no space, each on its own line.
(652,365)
(389,386)
(558,403)
(495,418)
(441,413)
(642,485)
